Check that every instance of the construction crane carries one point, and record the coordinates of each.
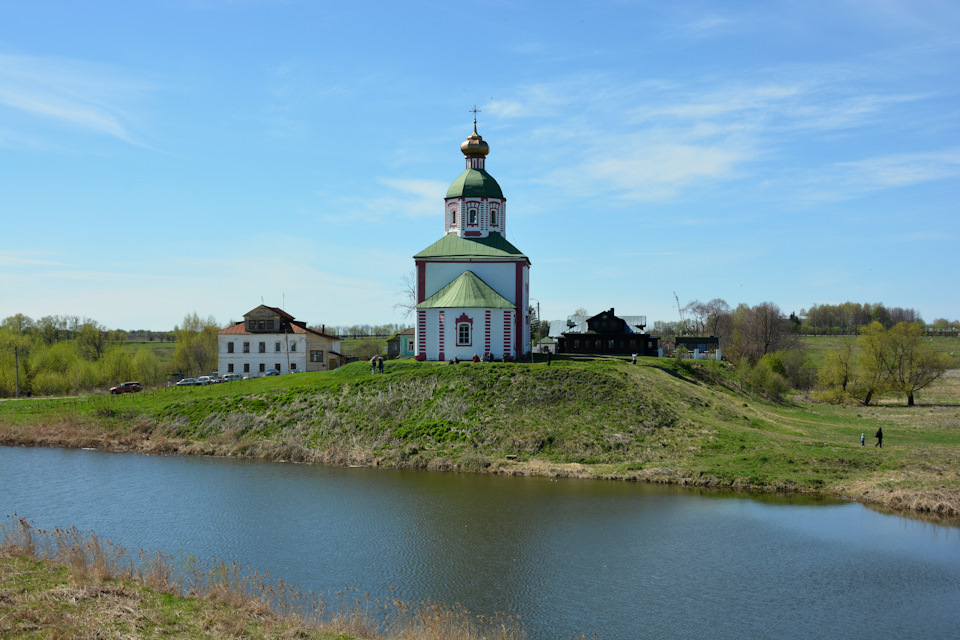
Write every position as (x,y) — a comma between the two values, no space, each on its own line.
(683,324)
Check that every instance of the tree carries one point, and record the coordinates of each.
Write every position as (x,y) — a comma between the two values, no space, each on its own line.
(839,370)
(697,315)
(408,294)
(873,361)
(94,339)
(913,365)
(196,350)
(718,318)
(761,330)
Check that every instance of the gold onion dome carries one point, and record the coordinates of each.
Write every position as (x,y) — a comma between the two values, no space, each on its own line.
(474,145)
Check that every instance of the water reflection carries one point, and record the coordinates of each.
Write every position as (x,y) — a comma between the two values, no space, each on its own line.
(571,556)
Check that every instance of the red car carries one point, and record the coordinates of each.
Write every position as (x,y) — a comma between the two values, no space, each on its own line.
(126,387)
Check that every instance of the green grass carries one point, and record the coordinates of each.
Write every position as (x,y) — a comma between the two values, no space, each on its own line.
(592,418)
(817,347)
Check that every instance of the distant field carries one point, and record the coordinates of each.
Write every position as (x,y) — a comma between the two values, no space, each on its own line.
(163,350)
(817,347)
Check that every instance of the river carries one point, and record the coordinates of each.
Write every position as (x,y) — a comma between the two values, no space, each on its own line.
(572,557)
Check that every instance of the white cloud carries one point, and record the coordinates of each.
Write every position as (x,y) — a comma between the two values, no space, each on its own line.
(80,95)
(845,180)
(16,259)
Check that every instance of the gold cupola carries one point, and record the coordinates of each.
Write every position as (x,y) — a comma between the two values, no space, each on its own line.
(474,146)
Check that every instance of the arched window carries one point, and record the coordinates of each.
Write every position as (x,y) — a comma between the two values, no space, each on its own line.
(453,216)
(473,216)
(463,334)
(493,217)
(464,330)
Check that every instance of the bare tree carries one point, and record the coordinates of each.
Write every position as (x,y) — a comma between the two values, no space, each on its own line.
(761,330)
(408,294)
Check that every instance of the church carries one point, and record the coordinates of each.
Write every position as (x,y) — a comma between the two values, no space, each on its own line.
(472,285)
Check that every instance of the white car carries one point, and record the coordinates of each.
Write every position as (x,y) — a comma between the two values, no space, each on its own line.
(230,377)
(204,380)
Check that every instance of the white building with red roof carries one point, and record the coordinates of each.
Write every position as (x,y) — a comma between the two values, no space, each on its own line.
(270,339)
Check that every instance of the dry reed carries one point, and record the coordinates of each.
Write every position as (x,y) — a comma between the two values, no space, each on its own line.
(96,567)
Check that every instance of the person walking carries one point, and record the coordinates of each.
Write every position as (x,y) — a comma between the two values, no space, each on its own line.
(373,364)
(634,361)
(862,438)
(879,438)
(380,363)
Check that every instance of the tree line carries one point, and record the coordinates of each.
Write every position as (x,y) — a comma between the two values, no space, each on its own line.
(63,355)
(887,357)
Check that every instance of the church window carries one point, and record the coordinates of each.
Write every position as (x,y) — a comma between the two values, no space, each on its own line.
(463,334)
(453,216)
(473,216)
(493,217)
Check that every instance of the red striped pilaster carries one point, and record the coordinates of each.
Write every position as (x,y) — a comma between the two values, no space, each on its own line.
(440,343)
(486,331)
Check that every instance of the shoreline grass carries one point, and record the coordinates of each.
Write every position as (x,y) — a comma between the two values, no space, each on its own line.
(66,584)
(655,422)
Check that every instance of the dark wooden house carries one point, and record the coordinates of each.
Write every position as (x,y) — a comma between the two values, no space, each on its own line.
(608,334)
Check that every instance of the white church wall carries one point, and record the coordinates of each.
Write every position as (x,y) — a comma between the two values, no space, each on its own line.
(448,336)
(500,276)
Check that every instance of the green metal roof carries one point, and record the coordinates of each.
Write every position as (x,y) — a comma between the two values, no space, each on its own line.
(453,246)
(466,291)
(474,182)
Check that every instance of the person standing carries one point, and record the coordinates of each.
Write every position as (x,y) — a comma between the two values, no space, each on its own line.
(634,361)
(879,438)
(373,364)
(862,438)
(380,363)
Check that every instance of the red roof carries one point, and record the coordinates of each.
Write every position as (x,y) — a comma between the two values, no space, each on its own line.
(291,326)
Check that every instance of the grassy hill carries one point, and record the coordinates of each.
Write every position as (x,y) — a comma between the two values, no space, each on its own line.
(604,419)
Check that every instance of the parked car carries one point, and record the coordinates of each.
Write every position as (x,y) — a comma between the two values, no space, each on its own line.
(230,377)
(126,387)
(188,382)
(272,372)
(204,380)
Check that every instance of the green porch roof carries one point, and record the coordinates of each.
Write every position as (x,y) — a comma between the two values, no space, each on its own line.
(476,183)
(467,291)
(453,246)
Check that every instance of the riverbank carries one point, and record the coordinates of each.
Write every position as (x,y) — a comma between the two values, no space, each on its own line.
(64,584)
(651,422)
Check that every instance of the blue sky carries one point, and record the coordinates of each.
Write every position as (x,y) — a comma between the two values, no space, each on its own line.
(165,157)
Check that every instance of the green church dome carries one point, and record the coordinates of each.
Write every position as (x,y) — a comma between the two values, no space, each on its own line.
(475,183)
